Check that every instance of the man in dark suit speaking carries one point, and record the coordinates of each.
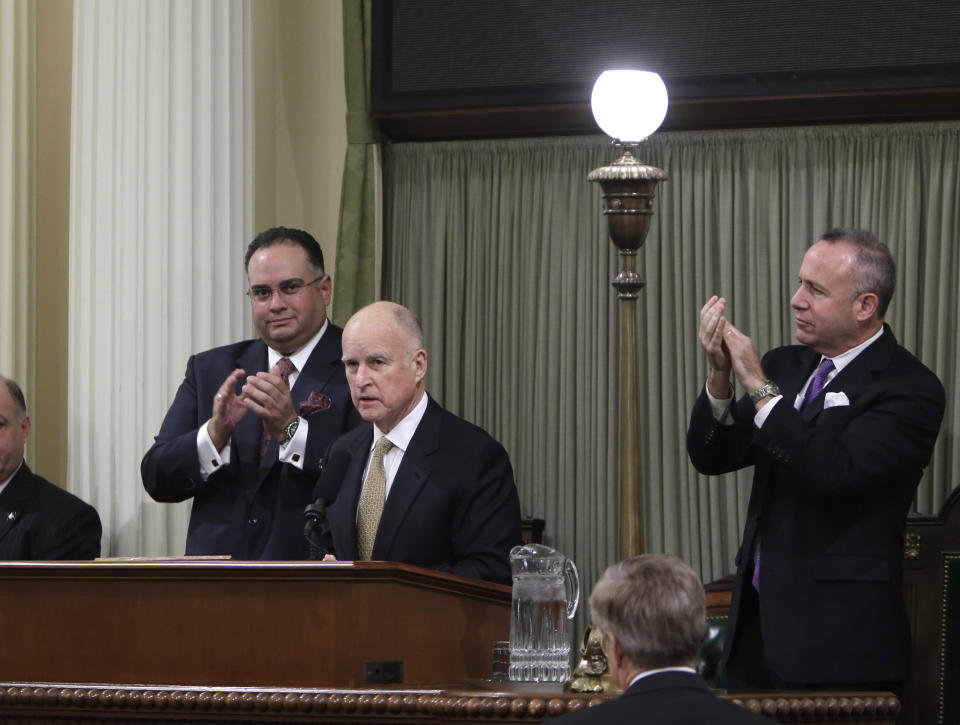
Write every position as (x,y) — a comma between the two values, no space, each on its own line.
(38,520)
(246,432)
(652,614)
(839,430)
(423,486)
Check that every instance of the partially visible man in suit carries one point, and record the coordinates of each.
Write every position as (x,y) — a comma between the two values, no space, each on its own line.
(38,520)
(423,486)
(652,614)
(839,430)
(245,435)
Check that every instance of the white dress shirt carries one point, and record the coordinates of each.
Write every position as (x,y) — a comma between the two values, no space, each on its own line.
(400,436)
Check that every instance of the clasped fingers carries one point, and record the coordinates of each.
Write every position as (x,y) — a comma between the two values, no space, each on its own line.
(712,327)
(268,396)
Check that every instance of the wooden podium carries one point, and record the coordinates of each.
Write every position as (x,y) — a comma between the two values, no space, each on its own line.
(238,623)
(164,642)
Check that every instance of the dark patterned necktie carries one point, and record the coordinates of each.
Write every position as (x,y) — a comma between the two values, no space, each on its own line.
(283,368)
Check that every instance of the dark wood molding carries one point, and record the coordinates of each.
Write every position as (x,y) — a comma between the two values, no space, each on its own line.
(921,104)
(53,702)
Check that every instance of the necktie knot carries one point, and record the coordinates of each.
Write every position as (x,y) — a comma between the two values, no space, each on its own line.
(285,368)
(381,449)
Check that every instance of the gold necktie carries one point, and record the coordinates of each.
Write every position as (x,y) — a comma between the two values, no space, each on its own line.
(371,500)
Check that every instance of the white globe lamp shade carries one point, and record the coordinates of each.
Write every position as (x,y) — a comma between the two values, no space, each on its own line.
(629,105)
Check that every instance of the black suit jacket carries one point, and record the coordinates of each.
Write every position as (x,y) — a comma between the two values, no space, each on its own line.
(662,698)
(453,505)
(250,509)
(39,520)
(831,491)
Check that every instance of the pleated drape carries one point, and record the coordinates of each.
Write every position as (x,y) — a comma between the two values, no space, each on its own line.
(161,210)
(18,195)
(501,249)
(358,243)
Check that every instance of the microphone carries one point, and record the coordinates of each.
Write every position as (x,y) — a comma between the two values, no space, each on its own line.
(315,528)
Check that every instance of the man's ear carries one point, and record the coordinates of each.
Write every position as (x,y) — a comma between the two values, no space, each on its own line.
(617,651)
(420,363)
(865,306)
(326,289)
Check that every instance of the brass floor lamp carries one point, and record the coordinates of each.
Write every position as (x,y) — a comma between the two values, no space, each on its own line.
(629,105)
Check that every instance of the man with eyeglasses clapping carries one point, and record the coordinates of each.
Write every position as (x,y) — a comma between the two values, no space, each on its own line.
(245,435)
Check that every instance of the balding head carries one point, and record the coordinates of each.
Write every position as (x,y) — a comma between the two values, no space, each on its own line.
(14,426)
(385,362)
(16,395)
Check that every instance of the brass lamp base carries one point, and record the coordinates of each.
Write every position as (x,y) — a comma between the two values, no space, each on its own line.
(628,193)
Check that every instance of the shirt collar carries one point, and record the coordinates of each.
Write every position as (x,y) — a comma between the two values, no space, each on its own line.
(403,431)
(647,673)
(300,357)
(845,358)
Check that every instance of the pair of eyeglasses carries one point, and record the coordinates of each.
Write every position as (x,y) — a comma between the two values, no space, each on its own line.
(287,288)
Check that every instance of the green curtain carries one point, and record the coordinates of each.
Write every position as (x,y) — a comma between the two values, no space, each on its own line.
(501,249)
(356,284)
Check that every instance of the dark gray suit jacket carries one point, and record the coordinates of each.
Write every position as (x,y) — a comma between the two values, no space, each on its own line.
(453,505)
(831,491)
(39,520)
(665,698)
(250,509)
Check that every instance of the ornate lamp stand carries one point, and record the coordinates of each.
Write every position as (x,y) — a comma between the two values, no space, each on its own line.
(628,192)
(629,105)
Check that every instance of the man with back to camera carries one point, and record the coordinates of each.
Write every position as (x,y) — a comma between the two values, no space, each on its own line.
(246,432)
(38,520)
(423,486)
(651,611)
(839,430)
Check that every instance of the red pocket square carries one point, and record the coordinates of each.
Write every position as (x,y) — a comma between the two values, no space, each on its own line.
(316,401)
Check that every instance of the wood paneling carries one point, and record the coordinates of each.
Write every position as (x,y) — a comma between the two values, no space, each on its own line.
(245,623)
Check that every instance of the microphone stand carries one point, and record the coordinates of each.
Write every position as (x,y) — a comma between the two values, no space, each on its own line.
(316,530)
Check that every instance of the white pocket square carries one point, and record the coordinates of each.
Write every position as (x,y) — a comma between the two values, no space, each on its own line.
(832,400)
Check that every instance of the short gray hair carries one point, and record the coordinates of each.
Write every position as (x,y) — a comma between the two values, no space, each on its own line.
(654,606)
(874,269)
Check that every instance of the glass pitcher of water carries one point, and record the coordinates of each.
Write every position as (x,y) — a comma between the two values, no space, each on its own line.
(546,591)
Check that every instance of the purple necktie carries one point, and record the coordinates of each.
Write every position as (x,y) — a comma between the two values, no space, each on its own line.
(813,390)
(819,380)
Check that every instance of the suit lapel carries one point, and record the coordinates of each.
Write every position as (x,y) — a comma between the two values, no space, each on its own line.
(414,471)
(860,370)
(319,368)
(343,513)
(808,361)
(13,499)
